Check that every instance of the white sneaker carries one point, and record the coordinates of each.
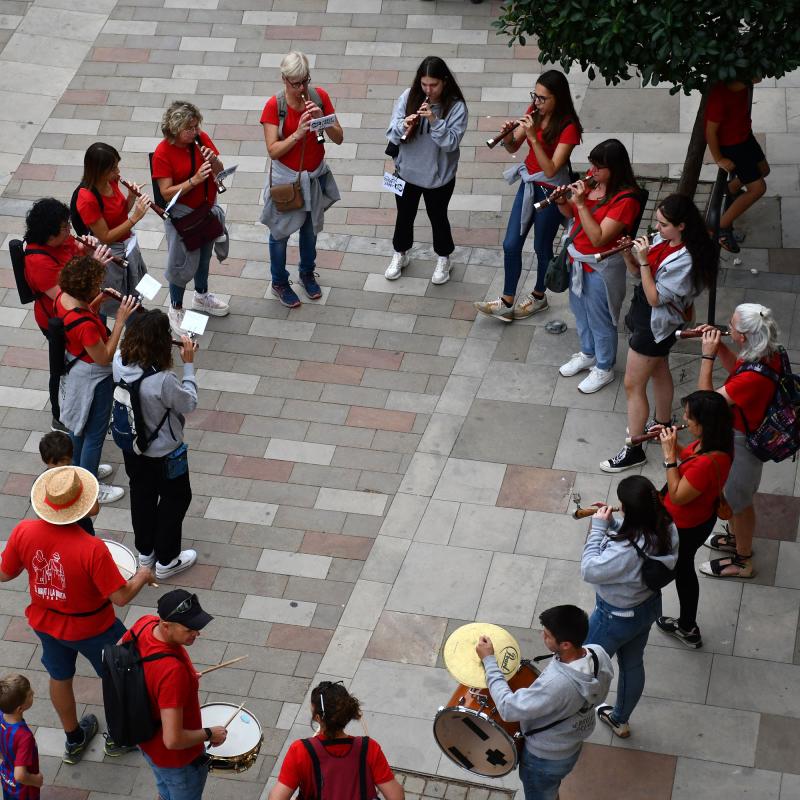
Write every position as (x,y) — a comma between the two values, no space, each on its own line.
(442,272)
(147,561)
(210,304)
(103,471)
(596,380)
(184,560)
(175,316)
(395,268)
(576,364)
(109,493)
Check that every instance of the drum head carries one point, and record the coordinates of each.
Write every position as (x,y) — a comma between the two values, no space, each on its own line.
(474,742)
(244,733)
(124,559)
(462,661)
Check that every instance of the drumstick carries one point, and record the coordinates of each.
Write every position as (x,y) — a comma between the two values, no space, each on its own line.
(220,666)
(233,716)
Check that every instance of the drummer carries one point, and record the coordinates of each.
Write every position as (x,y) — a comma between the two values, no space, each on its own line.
(176,753)
(73,582)
(559,706)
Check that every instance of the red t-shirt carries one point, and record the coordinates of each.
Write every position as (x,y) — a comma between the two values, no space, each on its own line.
(41,273)
(568,135)
(17,749)
(171,161)
(68,571)
(84,335)
(732,111)
(315,151)
(297,770)
(703,476)
(170,684)
(751,394)
(659,253)
(621,208)
(115,207)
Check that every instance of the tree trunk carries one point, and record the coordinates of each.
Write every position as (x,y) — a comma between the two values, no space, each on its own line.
(694,154)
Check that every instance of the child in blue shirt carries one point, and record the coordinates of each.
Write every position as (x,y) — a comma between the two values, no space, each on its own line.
(19,770)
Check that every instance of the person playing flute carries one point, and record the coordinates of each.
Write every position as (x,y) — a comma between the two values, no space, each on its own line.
(551,129)
(427,161)
(674,269)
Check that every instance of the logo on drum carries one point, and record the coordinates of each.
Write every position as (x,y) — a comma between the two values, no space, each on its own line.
(509,659)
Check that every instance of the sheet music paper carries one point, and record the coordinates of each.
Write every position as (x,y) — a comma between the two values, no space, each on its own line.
(194,322)
(174,200)
(394,184)
(228,171)
(322,122)
(148,287)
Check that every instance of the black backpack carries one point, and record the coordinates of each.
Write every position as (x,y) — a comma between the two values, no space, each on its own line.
(18,251)
(57,343)
(77,221)
(125,697)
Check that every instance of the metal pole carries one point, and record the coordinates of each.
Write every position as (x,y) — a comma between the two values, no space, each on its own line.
(713,215)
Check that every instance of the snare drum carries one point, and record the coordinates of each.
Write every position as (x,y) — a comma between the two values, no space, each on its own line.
(240,750)
(470,733)
(124,559)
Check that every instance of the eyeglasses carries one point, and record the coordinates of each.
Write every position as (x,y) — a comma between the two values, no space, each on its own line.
(183,606)
(298,84)
(538,98)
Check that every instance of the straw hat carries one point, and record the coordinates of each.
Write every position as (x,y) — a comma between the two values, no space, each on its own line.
(64,495)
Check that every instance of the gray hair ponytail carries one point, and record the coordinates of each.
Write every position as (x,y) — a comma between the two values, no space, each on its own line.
(760,329)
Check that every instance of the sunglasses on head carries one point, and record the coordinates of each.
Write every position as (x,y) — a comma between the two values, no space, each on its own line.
(183,606)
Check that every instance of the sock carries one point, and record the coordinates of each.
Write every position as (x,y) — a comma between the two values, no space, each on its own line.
(537,295)
(76,736)
(506,303)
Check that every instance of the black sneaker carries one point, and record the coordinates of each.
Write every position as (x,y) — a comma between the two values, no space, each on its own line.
(73,753)
(58,425)
(627,458)
(691,639)
(112,749)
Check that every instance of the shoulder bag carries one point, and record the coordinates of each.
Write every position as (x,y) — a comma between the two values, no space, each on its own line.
(200,225)
(288,196)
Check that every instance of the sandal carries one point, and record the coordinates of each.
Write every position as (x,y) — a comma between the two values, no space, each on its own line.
(725,542)
(717,567)
(727,241)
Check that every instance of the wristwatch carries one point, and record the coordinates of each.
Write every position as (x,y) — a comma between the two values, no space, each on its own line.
(208,733)
(670,465)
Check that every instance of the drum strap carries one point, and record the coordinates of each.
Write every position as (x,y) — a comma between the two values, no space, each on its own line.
(596,665)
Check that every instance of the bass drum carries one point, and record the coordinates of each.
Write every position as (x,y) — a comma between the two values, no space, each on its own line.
(470,733)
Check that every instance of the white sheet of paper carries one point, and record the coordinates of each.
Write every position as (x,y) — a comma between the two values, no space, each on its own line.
(173,201)
(148,287)
(194,322)
(130,243)
(222,174)
(394,184)
(322,122)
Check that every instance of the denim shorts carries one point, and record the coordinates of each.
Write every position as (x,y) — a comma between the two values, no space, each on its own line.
(179,783)
(59,655)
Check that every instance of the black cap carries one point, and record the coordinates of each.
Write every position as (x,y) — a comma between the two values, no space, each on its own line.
(191,615)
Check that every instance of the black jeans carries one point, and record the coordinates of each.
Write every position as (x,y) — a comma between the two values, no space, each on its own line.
(690,540)
(158,506)
(436,202)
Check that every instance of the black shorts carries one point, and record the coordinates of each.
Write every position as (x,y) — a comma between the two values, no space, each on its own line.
(637,321)
(747,155)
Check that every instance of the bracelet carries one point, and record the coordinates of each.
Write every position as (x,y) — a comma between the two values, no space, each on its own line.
(670,465)
(190,181)
(644,264)
(208,734)
(708,358)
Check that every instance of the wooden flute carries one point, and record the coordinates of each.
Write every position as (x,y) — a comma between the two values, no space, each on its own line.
(562,191)
(590,511)
(220,186)
(646,437)
(413,126)
(118,260)
(132,188)
(695,333)
(319,134)
(624,243)
(493,142)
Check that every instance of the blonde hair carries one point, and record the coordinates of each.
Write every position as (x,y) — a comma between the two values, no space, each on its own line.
(13,692)
(294,65)
(178,116)
(760,329)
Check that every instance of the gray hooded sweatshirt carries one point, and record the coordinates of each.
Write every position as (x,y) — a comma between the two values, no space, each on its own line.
(614,568)
(157,393)
(560,694)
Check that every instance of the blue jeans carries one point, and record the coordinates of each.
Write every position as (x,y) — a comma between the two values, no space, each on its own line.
(627,637)
(541,777)
(596,329)
(179,783)
(88,447)
(59,655)
(308,253)
(545,226)
(200,277)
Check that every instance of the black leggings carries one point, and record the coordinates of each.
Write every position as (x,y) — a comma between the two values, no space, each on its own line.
(436,202)
(690,541)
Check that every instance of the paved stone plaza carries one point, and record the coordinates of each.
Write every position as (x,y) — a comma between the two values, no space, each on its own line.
(373,470)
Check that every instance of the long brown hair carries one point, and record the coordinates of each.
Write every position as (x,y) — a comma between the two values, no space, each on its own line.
(645,515)
(563,113)
(97,161)
(148,341)
(612,154)
(433,67)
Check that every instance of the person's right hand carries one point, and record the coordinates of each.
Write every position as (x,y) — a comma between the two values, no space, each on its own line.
(218,735)
(145,575)
(711,341)
(669,443)
(128,305)
(726,164)
(204,172)
(187,350)
(140,208)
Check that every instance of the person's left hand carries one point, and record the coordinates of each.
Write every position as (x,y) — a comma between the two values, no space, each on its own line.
(526,122)
(604,513)
(426,112)
(484,647)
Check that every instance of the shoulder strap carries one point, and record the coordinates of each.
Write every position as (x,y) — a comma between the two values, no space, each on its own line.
(312,754)
(34,251)
(362,768)
(281,100)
